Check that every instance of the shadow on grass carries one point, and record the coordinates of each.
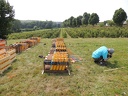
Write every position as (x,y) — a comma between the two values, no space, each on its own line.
(6,71)
(112,65)
(57,74)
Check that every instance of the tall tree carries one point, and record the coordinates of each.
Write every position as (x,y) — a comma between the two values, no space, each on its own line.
(85,18)
(94,19)
(65,23)
(74,22)
(79,20)
(71,21)
(119,17)
(6,16)
(49,25)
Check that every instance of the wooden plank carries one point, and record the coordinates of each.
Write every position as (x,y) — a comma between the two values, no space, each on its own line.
(4,58)
(5,68)
(12,51)
(4,64)
(2,51)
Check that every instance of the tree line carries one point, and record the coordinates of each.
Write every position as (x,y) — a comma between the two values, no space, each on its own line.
(81,20)
(31,25)
(118,19)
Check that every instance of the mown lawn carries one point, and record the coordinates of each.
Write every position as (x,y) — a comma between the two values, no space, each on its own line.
(24,78)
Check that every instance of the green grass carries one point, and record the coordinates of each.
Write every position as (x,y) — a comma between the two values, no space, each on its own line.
(24,78)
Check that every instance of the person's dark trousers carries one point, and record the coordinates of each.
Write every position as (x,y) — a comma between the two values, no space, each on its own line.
(98,60)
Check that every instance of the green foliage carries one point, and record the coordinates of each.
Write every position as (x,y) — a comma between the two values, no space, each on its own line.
(30,24)
(78,20)
(6,16)
(110,23)
(81,32)
(101,24)
(35,27)
(74,22)
(94,32)
(94,19)
(64,35)
(71,21)
(54,33)
(119,17)
(85,18)
(16,26)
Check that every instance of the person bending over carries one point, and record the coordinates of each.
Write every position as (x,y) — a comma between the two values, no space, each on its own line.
(102,54)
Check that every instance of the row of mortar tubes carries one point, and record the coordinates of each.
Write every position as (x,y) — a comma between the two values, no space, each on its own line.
(60,44)
(60,57)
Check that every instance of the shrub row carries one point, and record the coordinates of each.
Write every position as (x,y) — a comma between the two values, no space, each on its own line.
(87,32)
(82,32)
(52,33)
(64,33)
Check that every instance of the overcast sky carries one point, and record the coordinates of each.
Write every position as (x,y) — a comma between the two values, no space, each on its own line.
(60,10)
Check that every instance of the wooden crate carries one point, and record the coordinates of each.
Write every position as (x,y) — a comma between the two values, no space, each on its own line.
(4,62)
(24,46)
(17,47)
(36,38)
(31,42)
(2,51)
(12,53)
(2,43)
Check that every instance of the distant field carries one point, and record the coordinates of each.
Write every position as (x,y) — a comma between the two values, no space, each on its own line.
(24,78)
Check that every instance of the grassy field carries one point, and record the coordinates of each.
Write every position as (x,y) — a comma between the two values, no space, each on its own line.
(24,78)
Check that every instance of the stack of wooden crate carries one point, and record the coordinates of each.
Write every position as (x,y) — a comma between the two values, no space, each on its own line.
(7,56)
(23,45)
(4,60)
(19,46)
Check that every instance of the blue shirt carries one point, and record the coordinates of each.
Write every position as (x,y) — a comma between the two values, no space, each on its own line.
(102,51)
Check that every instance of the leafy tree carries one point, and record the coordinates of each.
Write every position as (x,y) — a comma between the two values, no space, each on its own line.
(85,18)
(101,24)
(74,22)
(83,21)
(71,21)
(29,24)
(110,22)
(94,19)
(6,16)
(65,23)
(105,22)
(35,28)
(16,25)
(49,25)
(78,20)
(119,17)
